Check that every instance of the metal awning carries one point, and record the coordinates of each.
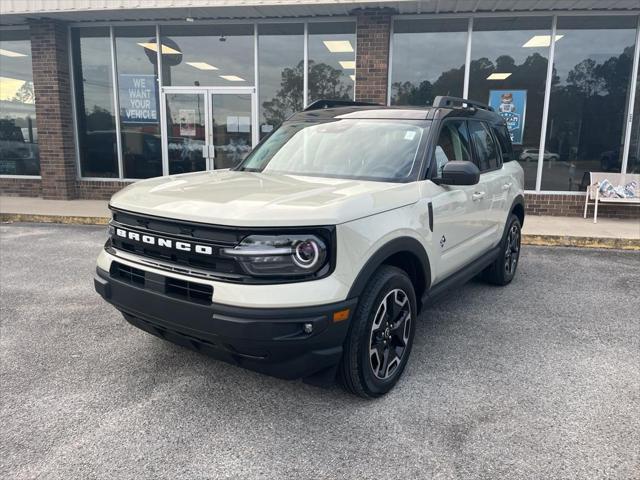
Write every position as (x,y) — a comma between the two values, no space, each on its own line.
(16,12)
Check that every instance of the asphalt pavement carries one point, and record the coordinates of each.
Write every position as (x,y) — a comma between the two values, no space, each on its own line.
(540,379)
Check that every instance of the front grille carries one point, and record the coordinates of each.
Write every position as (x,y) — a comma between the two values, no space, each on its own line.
(204,258)
(173,287)
(212,237)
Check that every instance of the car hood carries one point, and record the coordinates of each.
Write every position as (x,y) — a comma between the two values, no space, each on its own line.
(234,198)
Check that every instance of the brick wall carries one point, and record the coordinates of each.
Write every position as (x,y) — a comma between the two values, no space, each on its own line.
(20,187)
(573,206)
(52,87)
(372,54)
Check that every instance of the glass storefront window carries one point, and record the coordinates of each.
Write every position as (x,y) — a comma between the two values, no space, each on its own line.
(280,73)
(589,94)
(332,61)
(428,60)
(137,68)
(508,69)
(207,55)
(94,102)
(19,153)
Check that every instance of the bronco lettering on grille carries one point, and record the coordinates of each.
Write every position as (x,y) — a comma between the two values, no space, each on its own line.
(164,242)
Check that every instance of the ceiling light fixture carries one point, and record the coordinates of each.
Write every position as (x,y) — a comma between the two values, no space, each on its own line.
(347,64)
(498,76)
(9,87)
(232,78)
(202,66)
(154,47)
(538,41)
(338,46)
(9,53)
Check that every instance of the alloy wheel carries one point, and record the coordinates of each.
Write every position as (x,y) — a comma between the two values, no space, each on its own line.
(390,333)
(512,249)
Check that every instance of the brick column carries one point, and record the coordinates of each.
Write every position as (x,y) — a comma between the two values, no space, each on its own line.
(372,54)
(54,118)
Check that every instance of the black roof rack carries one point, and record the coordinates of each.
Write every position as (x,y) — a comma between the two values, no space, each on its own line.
(320,104)
(441,101)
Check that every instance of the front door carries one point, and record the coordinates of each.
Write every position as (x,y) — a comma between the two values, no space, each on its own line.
(458,222)
(207,128)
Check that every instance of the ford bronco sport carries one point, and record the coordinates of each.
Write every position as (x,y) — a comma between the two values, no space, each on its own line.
(315,255)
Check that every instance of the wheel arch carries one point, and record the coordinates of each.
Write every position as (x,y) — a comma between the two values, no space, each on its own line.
(405,253)
(517,208)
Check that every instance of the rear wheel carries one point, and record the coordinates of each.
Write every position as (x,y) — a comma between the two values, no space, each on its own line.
(503,269)
(381,334)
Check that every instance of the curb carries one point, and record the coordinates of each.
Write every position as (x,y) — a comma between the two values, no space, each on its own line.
(527,239)
(581,242)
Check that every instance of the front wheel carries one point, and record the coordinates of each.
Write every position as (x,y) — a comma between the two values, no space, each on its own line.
(503,269)
(381,334)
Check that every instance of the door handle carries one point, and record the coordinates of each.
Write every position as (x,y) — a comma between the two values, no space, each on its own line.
(477,195)
(506,186)
(205,151)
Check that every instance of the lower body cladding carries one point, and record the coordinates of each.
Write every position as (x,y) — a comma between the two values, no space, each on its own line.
(288,343)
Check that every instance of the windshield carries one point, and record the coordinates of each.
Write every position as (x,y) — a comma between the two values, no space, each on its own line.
(370,149)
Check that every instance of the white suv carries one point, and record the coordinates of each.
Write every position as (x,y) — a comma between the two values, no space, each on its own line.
(314,257)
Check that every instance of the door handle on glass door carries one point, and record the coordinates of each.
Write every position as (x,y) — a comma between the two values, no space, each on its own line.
(478,195)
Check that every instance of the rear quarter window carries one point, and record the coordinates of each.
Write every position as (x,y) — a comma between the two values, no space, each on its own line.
(504,141)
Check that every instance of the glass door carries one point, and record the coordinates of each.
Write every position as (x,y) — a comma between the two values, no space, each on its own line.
(231,128)
(207,127)
(186,130)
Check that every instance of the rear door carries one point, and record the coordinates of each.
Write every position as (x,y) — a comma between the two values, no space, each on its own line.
(489,195)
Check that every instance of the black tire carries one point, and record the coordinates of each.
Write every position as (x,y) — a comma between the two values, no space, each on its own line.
(366,342)
(502,271)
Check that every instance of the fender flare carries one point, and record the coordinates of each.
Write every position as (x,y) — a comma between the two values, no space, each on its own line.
(397,245)
(518,200)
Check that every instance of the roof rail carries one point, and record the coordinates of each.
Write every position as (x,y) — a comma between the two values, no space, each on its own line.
(320,104)
(441,101)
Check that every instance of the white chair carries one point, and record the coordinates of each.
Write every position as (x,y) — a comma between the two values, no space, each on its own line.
(593,191)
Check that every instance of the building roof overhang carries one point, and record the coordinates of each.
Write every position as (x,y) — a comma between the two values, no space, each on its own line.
(17,12)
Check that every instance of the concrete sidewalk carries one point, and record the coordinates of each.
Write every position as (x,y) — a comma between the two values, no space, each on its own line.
(538,230)
(28,209)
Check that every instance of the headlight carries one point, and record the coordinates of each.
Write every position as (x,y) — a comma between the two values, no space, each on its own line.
(280,255)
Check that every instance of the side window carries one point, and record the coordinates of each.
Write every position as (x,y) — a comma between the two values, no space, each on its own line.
(453,144)
(504,139)
(486,150)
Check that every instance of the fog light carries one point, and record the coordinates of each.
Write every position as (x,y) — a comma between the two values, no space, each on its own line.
(307,327)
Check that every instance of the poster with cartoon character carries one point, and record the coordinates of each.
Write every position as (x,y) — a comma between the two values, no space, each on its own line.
(512,106)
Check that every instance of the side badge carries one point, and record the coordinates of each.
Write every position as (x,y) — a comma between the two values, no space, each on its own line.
(442,241)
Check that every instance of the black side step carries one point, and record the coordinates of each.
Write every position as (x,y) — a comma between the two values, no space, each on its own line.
(461,276)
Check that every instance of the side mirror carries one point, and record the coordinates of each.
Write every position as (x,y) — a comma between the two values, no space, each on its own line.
(458,173)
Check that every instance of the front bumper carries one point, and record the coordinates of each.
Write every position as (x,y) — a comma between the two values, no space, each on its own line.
(270,340)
